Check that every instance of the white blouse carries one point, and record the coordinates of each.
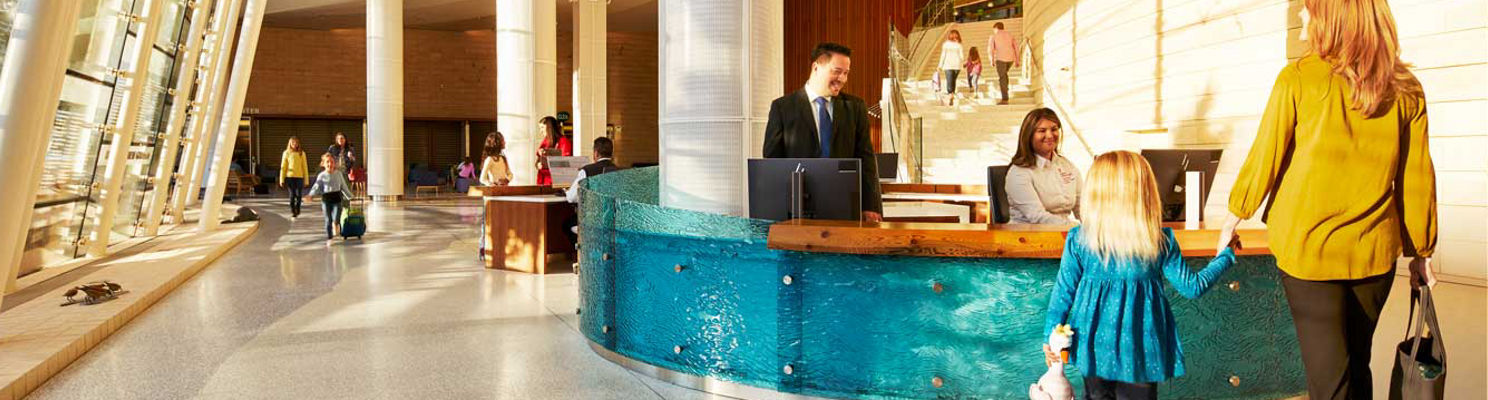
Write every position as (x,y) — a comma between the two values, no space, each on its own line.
(951,56)
(1048,193)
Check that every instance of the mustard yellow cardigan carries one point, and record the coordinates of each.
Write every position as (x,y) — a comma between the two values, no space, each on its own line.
(292,165)
(1347,194)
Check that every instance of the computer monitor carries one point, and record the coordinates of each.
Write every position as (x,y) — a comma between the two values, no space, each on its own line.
(565,169)
(888,166)
(830,188)
(1170,166)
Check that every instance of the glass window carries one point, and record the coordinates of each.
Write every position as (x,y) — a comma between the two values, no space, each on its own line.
(68,200)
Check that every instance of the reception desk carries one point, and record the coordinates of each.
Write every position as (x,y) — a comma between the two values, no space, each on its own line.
(524,228)
(751,308)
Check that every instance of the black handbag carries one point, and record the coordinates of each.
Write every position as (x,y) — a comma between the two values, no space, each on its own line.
(1421,359)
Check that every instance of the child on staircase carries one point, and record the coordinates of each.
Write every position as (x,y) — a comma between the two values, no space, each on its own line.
(1109,287)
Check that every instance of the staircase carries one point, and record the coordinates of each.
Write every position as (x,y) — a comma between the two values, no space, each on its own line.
(960,141)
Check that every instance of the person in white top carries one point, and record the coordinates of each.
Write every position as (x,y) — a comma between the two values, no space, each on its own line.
(951,59)
(1042,186)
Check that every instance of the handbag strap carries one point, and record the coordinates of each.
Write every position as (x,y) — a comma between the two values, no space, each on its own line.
(1421,295)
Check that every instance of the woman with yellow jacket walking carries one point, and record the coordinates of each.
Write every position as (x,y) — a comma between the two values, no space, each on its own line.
(292,174)
(1341,157)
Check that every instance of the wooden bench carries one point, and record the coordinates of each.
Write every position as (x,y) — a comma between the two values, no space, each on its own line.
(422,189)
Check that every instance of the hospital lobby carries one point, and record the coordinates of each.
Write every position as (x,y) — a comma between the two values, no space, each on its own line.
(743,199)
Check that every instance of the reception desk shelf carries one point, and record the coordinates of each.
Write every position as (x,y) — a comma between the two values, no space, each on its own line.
(882,311)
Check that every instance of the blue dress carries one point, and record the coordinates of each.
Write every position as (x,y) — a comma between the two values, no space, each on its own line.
(1124,328)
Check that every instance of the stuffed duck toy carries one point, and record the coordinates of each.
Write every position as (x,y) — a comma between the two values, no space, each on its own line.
(1054,385)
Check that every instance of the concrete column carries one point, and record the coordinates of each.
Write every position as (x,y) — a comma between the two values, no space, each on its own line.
(186,60)
(232,111)
(203,131)
(128,125)
(385,99)
(590,80)
(526,78)
(30,87)
(720,66)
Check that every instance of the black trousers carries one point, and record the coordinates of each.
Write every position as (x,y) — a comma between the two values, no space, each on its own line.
(296,194)
(1101,389)
(950,80)
(1335,323)
(1002,77)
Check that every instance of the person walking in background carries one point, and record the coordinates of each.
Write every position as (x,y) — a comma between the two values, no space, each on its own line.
(1042,186)
(332,188)
(494,169)
(951,58)
(554,143)
(1342,159)
(1109,288)
(292,173)
(344,153)
(822,121)
(974,72)
(1003,49)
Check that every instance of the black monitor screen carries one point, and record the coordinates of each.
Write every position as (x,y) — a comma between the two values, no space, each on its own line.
(832,188)
(888,165)
(1169,166)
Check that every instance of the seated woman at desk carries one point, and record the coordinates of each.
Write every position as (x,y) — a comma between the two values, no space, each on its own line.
(494,169)
(1042,186)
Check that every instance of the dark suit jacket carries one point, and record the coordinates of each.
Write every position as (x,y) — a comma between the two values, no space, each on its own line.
(791,133)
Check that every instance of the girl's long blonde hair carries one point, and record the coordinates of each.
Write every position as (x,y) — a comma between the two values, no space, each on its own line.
(1357,37)
(1120,208)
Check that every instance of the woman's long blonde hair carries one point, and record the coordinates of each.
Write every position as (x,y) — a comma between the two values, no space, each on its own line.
(1357,37)
(1120,208)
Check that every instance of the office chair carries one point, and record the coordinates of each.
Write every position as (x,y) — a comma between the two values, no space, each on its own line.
(997,192)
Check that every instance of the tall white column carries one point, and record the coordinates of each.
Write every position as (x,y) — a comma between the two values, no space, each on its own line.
(30,87)
(128,124)
(721,65)
(385,99)
(232,111)
(590,79)
(186,60)
(209,98)
(526,78)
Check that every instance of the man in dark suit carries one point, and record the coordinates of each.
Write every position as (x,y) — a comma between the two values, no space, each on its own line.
(821,121)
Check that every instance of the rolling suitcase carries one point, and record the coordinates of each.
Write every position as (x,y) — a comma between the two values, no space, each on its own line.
(353,221)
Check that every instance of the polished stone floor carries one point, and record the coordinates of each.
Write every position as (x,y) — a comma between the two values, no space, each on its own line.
(410,313)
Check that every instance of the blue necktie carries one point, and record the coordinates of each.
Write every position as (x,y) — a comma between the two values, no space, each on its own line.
(824,127)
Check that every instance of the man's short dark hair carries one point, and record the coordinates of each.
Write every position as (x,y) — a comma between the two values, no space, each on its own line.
(604,146)
(997,25)
(826,49)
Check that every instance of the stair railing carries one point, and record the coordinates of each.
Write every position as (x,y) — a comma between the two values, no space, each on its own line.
(1030,61)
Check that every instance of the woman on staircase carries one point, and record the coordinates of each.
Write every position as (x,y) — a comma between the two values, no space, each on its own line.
(951,58)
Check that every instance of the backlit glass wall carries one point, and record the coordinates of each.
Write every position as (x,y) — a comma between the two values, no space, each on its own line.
(69,199)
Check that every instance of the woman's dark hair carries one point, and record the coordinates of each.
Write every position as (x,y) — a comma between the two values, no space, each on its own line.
(555,131)
(1025,156)
(340,135)
(495,144)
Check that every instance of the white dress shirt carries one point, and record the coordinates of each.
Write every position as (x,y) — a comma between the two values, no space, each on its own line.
(573,190)
(1048,193)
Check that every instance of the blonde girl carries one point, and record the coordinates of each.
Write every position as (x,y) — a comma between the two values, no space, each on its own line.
(332,188)
(292,174)
(1109,288)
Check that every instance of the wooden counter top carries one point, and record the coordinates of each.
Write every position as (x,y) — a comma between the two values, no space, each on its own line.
(968,240)
(511,190)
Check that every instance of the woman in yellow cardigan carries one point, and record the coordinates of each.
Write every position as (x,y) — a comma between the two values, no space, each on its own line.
(292,174)
(1341,158)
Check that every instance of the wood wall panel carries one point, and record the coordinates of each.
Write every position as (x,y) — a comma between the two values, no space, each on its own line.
(859,25)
